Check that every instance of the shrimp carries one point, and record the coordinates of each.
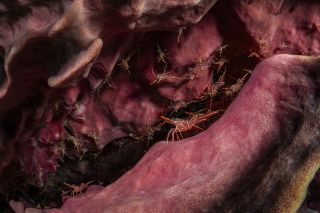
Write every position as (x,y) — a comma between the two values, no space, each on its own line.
(162,77)
(220,62)
(161,55)
(184,125)
(235,88)
(124,64)
(75,189)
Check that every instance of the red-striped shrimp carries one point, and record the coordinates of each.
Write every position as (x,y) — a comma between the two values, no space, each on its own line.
(184,125)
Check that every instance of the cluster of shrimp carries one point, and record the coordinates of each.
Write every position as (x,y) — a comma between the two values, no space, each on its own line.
(215,87)
(76,189)
(193,72)
(185,125)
